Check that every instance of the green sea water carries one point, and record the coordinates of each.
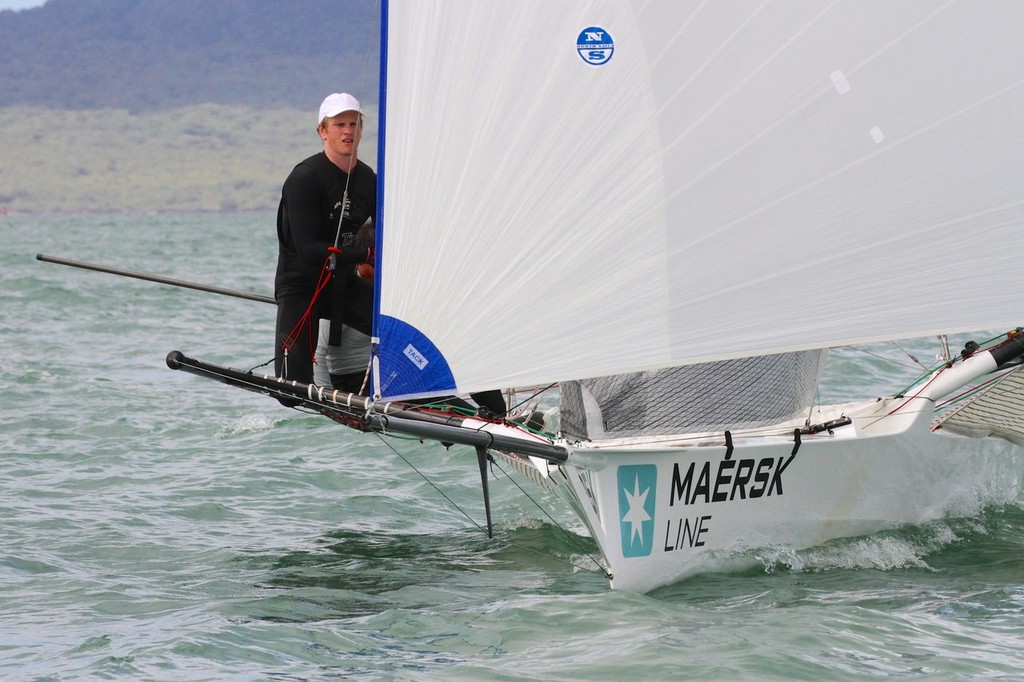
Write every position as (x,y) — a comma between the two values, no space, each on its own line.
(156,526)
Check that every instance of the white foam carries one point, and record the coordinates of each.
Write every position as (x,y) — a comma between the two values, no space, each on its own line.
(250,423)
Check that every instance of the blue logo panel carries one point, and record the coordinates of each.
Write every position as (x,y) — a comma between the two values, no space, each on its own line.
(410,363)
(595,45)
(637,484)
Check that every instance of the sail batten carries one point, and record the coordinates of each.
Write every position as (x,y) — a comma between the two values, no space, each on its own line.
(587,188)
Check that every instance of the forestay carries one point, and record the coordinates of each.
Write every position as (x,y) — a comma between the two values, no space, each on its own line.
(574,189)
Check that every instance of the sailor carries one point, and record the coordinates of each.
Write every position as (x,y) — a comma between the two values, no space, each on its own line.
(324,201)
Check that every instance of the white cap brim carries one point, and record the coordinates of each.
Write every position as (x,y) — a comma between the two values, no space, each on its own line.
(338,103)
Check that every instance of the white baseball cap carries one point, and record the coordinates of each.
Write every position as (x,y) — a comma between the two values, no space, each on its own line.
(337,103)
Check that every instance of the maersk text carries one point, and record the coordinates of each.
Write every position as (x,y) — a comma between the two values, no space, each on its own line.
(735,479)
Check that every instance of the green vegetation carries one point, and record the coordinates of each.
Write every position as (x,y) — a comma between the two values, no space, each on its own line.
(197,158)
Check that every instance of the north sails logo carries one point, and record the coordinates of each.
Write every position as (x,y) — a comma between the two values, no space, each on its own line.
(637,484)
(595,45)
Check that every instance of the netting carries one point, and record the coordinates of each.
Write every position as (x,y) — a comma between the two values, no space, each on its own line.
(997,411)
(732,394)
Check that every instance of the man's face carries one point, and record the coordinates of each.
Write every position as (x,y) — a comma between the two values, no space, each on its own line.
(341,133)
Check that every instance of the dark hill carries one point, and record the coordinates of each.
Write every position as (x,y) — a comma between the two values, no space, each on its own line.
(173,105)
(146,55)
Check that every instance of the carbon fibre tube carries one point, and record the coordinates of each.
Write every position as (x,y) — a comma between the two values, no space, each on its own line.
(380,417)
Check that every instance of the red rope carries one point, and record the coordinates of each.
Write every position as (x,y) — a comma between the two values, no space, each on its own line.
(307,317)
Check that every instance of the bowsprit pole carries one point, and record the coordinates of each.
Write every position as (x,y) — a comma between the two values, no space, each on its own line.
(156,278)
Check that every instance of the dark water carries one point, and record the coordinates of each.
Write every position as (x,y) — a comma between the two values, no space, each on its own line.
(157,526)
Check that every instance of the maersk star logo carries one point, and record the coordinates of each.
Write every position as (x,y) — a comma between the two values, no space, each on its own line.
(637,484)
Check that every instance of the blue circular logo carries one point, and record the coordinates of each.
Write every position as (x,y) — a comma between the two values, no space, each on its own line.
(595,45)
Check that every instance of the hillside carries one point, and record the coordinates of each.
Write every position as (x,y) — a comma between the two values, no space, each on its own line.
(208,157)
(150,105)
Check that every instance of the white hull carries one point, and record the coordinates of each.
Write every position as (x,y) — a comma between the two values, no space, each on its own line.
(657,520)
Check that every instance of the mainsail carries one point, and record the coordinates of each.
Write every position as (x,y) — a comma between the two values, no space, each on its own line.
(584,188)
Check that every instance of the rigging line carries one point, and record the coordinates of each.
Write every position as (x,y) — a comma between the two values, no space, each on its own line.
(479,527)
(983,345)
(536,433)
(268,362)
(307,317)
(429,482)
(886,358)
(566,533)
(538,392)
(362,98)
(814,403)
(910,355)
(369,47)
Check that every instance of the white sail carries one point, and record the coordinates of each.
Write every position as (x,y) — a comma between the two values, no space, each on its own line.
(699,181)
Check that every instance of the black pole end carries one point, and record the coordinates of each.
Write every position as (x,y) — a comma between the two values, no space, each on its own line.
(174,359)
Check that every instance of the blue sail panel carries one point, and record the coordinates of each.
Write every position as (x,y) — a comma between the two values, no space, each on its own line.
(410,363)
